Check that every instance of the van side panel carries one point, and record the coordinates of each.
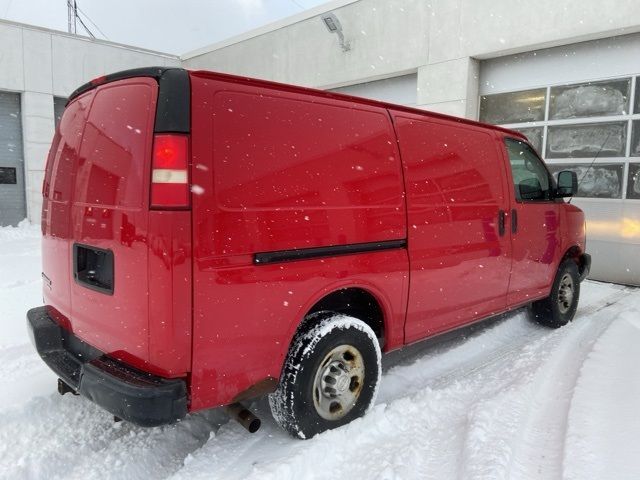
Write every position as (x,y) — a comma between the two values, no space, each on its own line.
(274,171)
(456,187)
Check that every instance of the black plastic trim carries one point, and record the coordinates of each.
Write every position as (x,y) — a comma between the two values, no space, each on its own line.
(133,395)
(331,251)
(585,266)
(173,113)
(95,286)
(154,72)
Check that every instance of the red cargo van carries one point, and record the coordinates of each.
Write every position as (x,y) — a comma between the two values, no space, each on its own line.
(209,239)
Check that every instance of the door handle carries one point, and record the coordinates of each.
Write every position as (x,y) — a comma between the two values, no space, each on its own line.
(501,215)
(514,221)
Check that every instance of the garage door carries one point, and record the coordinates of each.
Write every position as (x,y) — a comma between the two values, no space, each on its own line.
(579,105)
(12,192)
(402,90)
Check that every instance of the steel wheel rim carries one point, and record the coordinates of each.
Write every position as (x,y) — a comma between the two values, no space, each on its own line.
(565,293)
(338,382)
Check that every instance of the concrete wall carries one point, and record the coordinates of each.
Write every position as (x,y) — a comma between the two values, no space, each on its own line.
(387,38)
(400,90)
(441,40)
(41,63)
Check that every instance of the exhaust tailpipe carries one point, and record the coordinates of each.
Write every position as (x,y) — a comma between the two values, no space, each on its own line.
(244,417)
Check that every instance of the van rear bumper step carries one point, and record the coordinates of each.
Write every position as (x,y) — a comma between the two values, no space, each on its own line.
(138,397)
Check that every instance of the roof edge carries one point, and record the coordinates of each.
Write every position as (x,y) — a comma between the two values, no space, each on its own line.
(84,38)
(351,98)
(268,28)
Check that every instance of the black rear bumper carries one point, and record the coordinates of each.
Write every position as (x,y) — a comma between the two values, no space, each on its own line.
(138,397)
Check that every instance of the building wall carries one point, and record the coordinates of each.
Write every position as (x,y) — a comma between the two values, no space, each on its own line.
(40,64)
(441,40)
(386,37)
(400,90)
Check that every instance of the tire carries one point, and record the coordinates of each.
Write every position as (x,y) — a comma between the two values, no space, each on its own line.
(560,306)
(330,376)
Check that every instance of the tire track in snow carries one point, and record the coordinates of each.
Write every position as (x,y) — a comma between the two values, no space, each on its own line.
(539,447)
(502,346)
(603,422)
(413,435)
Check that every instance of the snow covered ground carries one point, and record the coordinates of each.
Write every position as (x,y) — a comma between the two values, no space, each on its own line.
(510,400)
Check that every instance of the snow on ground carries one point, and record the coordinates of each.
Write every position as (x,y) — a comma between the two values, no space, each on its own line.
(509,400)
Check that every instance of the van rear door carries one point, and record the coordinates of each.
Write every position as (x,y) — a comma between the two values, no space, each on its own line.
(56,208)
(95,217)
(117,219)
(109,220)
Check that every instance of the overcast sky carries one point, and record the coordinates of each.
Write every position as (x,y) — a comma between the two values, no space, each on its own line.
(172,26)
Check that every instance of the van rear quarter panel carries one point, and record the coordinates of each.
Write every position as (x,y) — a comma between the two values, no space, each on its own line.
(277,170)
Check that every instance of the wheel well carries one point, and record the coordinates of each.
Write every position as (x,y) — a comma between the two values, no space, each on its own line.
(573,253)
(357,303)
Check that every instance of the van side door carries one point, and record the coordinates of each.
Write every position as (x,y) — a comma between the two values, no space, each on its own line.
(459,251)
(534,223)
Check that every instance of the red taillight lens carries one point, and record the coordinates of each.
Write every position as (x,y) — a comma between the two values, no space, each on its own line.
(170,171)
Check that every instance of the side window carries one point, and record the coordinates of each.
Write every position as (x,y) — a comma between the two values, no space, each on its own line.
(530,176)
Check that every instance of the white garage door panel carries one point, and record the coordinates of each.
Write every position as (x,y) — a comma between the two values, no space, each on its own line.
(606,58)
(401,90)
(12,194)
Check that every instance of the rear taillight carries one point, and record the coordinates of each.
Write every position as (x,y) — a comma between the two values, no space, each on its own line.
(170,171)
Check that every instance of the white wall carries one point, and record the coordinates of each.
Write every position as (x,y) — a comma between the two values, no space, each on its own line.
(401,90)
(387,37)
(440,39)
(41,63)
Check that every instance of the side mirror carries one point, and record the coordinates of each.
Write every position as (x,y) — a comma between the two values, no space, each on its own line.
(567,184)
(530,189)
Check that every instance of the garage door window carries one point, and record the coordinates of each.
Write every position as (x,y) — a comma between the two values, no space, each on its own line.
(8,176)
(591,128)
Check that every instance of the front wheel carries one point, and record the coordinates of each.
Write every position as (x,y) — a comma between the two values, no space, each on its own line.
(560,306)
(330,377)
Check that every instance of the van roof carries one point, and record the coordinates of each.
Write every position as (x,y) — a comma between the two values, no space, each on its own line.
(158,72)
(351,98)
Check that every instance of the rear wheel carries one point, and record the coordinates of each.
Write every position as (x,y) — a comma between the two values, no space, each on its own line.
(560,306)
(330,377)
